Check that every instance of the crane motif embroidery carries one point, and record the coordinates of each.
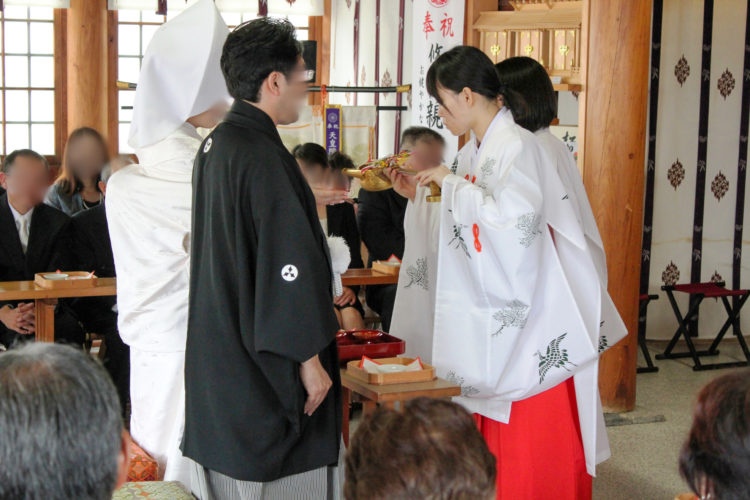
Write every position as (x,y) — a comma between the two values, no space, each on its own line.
(555,357)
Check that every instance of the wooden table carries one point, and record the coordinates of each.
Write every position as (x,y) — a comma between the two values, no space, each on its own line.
(354,277)
(45,300)
(388,394)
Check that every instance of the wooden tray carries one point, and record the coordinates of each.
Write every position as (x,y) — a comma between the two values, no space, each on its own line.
(68,283)
(424,375)
(384,268)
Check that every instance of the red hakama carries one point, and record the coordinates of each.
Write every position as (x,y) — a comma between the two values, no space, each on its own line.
(539,451)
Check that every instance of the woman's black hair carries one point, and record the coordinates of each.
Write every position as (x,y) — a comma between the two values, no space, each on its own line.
(339,161)
(254,50)
(311,153)
(462,67)
(717,451)
(536,102)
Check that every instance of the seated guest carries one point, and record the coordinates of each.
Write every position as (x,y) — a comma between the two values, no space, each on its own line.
(35,239)
(93,252)
(381,218)
(430,449)
(336,220)
(61,426)
(77,186)
(715,460)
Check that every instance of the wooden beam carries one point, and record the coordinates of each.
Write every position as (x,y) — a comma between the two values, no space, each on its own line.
(472,11)
(320,31)
(613,126)
(113,97)
(87,66)
(61,94)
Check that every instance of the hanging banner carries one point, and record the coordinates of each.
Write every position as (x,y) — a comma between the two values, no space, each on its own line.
(437,26)
(333,128)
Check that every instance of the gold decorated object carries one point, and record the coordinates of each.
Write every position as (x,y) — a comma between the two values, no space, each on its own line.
(372,175)
(435,193)
(495,49)
(528,49)
(564,50)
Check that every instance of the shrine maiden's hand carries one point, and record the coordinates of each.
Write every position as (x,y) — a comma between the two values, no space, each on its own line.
(327,196)
(405,185)
(19,319)
(347,298)
(435,175)
(316,381)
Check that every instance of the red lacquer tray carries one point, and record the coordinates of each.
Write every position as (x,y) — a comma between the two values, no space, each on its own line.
(353,344)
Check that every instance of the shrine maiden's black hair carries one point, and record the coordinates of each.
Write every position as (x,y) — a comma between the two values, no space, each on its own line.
(462,67)
(536,105)
(311,154)
(254,50)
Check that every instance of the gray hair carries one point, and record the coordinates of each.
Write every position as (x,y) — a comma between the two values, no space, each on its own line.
(109,169)
(60,425)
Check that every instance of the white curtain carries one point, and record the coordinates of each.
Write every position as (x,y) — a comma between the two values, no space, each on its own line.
(279,7)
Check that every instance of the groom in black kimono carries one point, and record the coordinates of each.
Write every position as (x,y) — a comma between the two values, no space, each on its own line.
(262,389)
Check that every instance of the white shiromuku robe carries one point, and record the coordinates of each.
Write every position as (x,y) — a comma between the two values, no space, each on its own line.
(518,296)
(415,295)
(149,217)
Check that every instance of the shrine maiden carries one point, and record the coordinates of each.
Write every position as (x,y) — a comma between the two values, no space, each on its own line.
(149,210)
(510,328)
(530,83)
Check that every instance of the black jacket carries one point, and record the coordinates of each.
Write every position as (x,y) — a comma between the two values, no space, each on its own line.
(381,223)
(48,248)
(93,250)
(260,304)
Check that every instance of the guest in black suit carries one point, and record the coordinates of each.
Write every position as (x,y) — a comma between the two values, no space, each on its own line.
(93,251)
(381,218)
(336,220)
(34,238)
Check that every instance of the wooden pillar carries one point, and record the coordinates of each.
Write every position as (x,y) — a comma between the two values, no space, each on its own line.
(90,67)
(613,108)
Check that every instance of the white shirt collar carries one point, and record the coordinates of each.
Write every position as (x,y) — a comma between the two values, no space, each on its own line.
(19,217)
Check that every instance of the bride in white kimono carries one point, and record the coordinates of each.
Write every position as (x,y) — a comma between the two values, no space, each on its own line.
(511,328)
(149,208)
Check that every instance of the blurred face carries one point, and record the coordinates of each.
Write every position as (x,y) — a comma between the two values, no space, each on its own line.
(292,93)
(339,180)
(315,174)
(456,109)
(85,157)
(428,154)
(26,183)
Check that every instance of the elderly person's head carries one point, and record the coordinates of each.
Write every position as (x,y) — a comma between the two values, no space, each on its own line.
(715,460)
(115,164)
(431,449)
(61,434)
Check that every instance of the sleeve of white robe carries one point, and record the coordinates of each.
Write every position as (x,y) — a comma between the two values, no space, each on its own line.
(508,321)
